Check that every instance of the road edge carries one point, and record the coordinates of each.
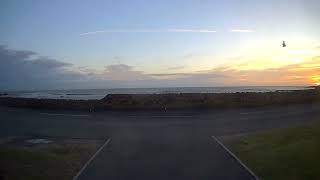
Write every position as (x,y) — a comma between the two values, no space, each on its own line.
(236,158)
(91,159)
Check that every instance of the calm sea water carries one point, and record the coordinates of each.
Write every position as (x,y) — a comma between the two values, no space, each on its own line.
(100,93)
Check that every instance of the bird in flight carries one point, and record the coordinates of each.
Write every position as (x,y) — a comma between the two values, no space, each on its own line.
(284,44)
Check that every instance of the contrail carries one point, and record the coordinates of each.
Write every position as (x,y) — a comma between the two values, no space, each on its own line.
(241,30)
(192,30)
(148,31)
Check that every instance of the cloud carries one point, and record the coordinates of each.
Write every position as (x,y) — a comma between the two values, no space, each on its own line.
(173,30)
(21,70)
(192,30)
(170,75)
(170,30)
(304,73)
(189,75)
(25,70)
(118,58)
(176,68)
(241,30)
(49,63)
(189,56)
(21,54)
(123,72)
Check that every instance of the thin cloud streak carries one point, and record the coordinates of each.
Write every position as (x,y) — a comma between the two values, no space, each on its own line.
(241,30)
(192,30)
(174,30)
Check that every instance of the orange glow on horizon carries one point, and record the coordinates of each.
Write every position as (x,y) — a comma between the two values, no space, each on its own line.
(316,79)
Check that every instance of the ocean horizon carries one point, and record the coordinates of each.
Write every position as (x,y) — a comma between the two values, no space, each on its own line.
(91,94)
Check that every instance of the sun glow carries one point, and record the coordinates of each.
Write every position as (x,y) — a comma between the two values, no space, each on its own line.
(265,53)
(316,79)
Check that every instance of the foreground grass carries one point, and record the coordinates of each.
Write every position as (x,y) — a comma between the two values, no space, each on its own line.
(292,153)
(54,162)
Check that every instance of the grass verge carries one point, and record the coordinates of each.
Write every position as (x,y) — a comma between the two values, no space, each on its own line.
(292,153)
(51,163)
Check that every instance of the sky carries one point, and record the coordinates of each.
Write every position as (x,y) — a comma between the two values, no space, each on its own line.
(79,44)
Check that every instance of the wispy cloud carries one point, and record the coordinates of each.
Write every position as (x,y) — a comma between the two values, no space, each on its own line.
(241,30)
(170,30)
(176,68)
(173,30)
(186,75)
(192,30)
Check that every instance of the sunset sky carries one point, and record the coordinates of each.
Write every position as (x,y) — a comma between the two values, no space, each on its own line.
(158,43)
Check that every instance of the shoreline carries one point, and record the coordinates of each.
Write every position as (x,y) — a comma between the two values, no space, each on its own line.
(170,101)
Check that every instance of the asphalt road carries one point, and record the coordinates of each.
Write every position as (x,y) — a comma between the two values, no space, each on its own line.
(157,145)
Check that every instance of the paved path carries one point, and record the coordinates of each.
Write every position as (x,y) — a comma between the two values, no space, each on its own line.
(157,145)
(167,153)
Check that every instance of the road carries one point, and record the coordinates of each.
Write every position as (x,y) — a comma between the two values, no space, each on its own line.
(157,145)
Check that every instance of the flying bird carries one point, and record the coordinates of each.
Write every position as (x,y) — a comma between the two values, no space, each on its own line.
(284,44)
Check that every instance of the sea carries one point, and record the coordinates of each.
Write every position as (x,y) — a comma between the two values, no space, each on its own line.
(86,94)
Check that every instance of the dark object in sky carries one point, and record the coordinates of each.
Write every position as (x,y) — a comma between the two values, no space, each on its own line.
(284,44)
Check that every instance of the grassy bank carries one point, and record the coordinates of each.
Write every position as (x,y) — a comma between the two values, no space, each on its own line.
(38,163)
(292,153)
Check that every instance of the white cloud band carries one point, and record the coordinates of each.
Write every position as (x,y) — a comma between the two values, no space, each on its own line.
(174,30)
(241,30)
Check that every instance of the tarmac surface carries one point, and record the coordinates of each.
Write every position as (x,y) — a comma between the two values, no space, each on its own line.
(157,145)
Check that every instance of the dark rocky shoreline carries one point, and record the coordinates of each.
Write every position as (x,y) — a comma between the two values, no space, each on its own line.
(170,101)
